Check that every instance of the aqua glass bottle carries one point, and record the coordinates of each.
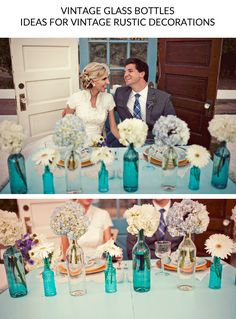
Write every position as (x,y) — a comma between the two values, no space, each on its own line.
(14,265)
(141,265)
(215,274)
(17,173)
(220,171)
(110,276)
(48,280)
(130,172)
(194,178)
(48,183)
(103,178)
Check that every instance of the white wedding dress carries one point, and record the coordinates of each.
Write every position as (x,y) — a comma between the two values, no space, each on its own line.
(93,118)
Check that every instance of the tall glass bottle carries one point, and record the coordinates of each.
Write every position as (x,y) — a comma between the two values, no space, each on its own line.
(215,274)
(110,276)
(130,173)
(103,186)
(220,171)
(14,265)
(194,178)
(169,169)
(186,264)
(141,265)
(17,173)
(76,269)
(48,183)
(48,280)
(73,172)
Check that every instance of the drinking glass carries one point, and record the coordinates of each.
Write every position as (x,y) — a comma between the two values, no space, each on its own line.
(150,150)
(162,251)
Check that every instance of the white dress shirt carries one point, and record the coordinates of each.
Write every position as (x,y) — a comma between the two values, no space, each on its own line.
(142,102)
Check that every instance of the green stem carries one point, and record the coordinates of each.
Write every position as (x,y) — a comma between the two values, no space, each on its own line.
(20,172)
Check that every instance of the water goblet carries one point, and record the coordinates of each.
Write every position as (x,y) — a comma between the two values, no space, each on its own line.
(149,151)
(162,251)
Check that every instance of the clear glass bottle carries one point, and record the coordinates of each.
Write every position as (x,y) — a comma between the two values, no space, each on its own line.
(131,169)
(73,172)
(220,172)
(48,280)
(48,183)
(169,169)
(215,274)
(103,178)
(110,276)
(76,269)
(141,265)
(194,178)
(14,265)
(17,173)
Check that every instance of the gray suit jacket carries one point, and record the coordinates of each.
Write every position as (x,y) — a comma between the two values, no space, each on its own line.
(158,103)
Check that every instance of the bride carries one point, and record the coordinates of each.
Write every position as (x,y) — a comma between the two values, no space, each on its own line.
(93,104)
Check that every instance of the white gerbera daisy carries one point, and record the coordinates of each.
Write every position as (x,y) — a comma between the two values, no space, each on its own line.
(42,251)
(47,156)
(110,248)
(198,155)
(219,245)
(102,154)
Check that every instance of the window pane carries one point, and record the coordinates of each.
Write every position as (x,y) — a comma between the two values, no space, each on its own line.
(97,52)
(6,79)
(118,54)
(139,50)
(116,77)
(227,80)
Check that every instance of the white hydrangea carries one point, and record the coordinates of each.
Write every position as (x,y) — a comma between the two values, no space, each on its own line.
(133,131)
(223,127)
(11,229)
(102,154)
(11,137)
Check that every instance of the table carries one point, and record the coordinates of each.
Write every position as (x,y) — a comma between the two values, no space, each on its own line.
(149,181)
(164,300)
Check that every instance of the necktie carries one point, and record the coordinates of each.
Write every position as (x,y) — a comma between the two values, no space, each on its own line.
(137,107)
(162,226)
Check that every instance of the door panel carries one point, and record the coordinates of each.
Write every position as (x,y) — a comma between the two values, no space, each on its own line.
(188,70)
(45,75)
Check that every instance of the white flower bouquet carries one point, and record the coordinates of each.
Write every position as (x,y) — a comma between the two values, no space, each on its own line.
(223,128)
(109,248)
(197,155)
(11,137)
(69,220)
(133,131)
(69,131)
(142,217)
(47,157)
(102,154)
(171,131)
(11,229)
(185,217)
(219,245)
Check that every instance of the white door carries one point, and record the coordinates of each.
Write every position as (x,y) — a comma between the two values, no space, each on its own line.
(45,74)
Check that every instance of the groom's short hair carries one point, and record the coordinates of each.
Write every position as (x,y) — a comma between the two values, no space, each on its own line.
(140,65)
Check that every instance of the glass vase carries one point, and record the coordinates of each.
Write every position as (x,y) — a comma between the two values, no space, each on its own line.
(220,170)
(48,183)
(73,172)
(215,274)
(76,269)
(15,272)
(141,265)
(17,173)
(186,264)
(169,169)
(194,178)
(103,177)
(110,276)
(48,280)
(130,172)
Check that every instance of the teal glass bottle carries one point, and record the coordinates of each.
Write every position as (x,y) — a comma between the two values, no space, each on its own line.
(220,171)
(48,280)
(130,173)
(215,274)
(141,265)
(110,276)
(17,173)
(194,178)
(48,183)
(103,178)
(14,265)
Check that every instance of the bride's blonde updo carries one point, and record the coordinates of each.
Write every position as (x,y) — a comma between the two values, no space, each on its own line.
(92,71)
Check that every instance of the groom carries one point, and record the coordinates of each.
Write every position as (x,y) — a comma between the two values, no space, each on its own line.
(137,100)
